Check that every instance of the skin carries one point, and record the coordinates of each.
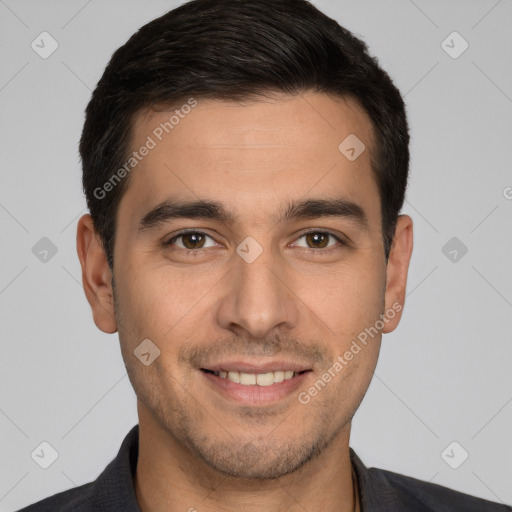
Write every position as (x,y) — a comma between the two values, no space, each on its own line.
(300,300)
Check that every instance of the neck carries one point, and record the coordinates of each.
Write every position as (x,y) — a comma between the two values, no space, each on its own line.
(170,478)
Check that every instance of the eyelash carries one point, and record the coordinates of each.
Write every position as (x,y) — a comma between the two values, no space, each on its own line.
(170,242)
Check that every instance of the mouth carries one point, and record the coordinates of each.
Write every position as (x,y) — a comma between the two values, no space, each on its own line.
(255,379)
(255,385)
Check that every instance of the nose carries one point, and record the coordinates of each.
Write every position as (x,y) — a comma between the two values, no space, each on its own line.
(259,297)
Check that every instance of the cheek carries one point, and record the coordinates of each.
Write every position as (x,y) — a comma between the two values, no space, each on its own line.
(159,302)
(348,299)
(144,299)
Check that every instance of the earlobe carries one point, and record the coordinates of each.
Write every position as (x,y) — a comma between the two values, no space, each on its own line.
(397,269)
(96,275)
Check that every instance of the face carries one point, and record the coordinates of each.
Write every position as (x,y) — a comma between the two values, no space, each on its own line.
(252,294)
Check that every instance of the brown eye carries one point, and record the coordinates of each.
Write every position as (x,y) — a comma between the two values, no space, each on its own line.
(193,240)
(320,240)
(317,240)
(190,240)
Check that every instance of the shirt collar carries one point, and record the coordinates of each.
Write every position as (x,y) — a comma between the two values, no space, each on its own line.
(114,489)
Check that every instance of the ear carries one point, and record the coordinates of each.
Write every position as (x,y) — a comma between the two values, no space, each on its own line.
(397,269)
(96,275)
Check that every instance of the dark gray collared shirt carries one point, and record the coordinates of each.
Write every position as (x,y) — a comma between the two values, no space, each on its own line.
(380,490)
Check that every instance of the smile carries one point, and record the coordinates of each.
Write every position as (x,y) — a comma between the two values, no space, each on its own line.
(253,387)
(255,379)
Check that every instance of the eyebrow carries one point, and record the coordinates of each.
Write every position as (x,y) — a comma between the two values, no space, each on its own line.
(212,210)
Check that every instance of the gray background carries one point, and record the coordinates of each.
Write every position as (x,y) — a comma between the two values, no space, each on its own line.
(443,375)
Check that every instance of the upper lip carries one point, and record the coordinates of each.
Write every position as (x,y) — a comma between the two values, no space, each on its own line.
(250,367)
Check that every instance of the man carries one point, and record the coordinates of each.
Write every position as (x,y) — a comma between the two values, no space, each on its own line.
(245,163)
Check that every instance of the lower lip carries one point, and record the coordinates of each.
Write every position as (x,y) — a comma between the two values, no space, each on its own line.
(254,394)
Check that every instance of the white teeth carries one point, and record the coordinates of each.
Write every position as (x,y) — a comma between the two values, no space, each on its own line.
(278,376)
(234,377)
(265,379)
(247,378)
(261,379)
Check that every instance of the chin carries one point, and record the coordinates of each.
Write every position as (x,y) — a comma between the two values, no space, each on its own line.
(258,462)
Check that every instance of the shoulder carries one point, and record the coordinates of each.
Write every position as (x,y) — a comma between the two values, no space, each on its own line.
(112,490)
(72,500)
(422,496)
(381,490)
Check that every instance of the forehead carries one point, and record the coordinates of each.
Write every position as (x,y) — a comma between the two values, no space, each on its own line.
(253,152)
